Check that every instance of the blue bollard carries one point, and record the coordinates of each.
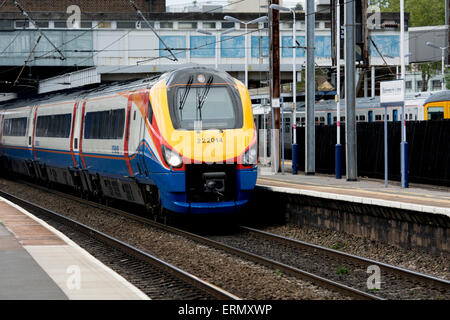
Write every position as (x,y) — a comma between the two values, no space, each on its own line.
(338,162)
(404,164)
(294,158)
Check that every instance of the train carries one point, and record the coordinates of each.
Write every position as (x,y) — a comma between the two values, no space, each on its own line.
(182,142)
(437,106)
(418,107)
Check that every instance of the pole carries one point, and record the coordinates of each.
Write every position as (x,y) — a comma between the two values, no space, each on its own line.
(246,62)
(385,148)
(294,98)
(372,74)
(404,144)
(350,121)
(443,68)
(217,50)
(447,24)
(338,148)
(275,73)
(310,152)
(282,137)
(366,84)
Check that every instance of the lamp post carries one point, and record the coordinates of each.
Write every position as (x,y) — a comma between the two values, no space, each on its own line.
(403,145)
(431,44)
(294,87)
(260,19)
(217,40)
(338,147)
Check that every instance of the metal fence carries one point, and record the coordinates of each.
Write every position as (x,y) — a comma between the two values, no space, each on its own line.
(429,150)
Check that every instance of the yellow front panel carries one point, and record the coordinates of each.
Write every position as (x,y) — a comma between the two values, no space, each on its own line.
(444,104)
(204,145)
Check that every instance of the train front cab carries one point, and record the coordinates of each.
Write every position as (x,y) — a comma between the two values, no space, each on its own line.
(437,110)
(215,175)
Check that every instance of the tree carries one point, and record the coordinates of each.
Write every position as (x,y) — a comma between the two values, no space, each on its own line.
(422,12)
(298,7)
(428,69)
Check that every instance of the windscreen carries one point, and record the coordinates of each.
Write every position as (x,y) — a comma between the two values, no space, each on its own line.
(212,107)
(200,98)
(435,113)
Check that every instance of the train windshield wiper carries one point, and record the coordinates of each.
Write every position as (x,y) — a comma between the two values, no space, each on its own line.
(201,97)
(185,95)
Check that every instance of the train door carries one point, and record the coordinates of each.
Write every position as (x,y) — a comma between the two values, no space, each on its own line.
(30,131)
(75,133)
(2,117)
(329,118)
(370,116)
(395,115)
(148,113)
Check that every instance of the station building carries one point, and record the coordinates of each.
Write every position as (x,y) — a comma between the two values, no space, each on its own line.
(113,39)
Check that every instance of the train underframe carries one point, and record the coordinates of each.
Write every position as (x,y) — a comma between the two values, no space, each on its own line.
(200,189)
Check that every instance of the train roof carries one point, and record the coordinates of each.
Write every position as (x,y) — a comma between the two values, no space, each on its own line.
(107,88)
(77,93)
(439,96)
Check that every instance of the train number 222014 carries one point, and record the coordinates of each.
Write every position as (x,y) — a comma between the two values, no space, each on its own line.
(209,140)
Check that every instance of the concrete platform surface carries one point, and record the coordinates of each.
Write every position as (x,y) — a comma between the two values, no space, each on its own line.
(39,262)
(370,191)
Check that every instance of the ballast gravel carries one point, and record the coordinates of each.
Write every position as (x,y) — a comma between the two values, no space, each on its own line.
(244,279)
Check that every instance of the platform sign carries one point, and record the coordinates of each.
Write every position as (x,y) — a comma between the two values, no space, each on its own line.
(392,91)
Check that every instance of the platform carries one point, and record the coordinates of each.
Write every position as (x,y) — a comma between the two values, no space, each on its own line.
(40,263)
(368,191)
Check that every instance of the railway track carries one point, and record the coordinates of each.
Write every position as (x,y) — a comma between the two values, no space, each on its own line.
(349,275)
(347,269)
(155,277)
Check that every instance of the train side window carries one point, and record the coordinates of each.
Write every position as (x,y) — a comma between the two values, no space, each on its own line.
(106,125)
(113,124)
(378,117)
(68,118)
(120,123)
(362,118)
(103,116)
(15,127)
(50,126)
(87,125)
(435,113)
(39,126)
(99,125)
(150,112)
(46,126)
(94,128)
(60,128)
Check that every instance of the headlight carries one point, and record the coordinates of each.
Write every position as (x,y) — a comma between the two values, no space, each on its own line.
(250,156)
(171,157)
